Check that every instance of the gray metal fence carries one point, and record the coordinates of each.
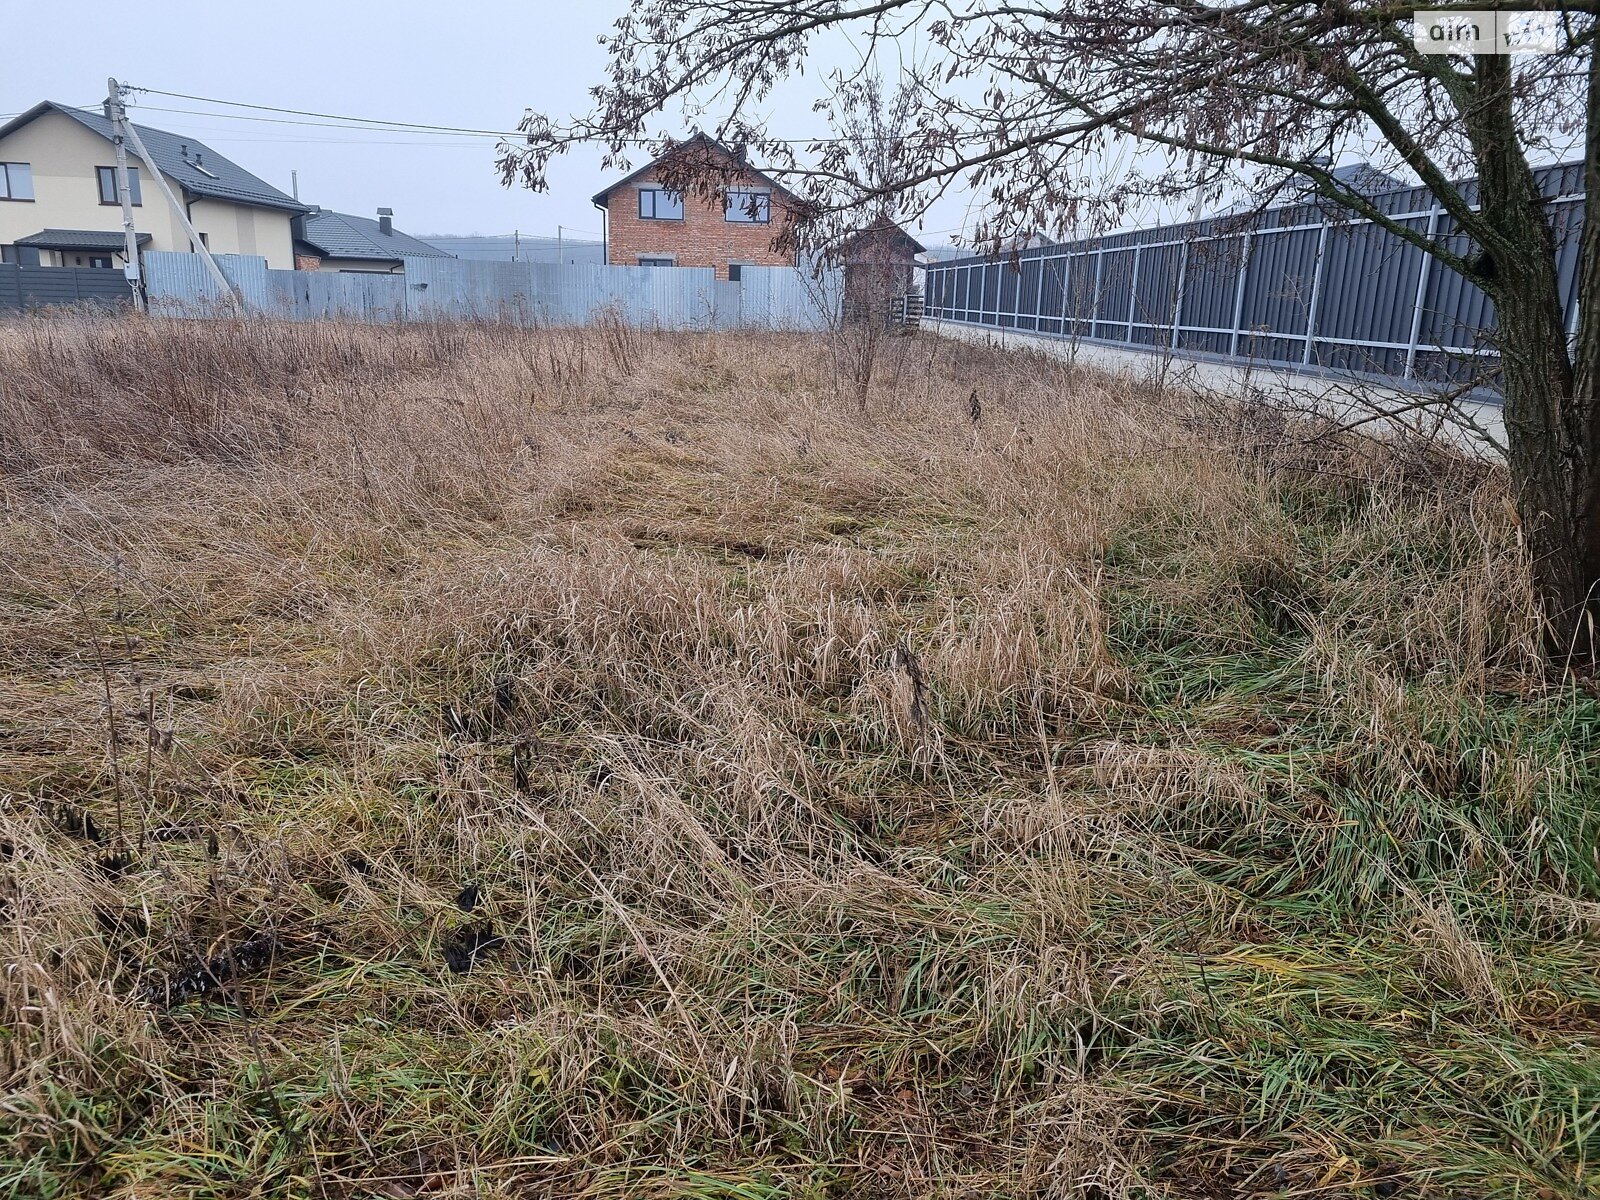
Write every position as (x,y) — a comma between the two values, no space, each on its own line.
(46,287)
(784,298)
(1296,286)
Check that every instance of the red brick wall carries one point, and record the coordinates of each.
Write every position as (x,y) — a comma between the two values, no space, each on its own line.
(702,239)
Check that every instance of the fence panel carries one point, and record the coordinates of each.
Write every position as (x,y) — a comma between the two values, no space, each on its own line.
(1212,276)
(524,293)
(46,287)
(1295,286)
(789,299)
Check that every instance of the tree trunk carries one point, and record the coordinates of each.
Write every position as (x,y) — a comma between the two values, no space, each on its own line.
(1550,407)
(1555,470)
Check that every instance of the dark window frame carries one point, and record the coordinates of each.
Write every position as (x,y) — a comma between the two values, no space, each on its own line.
(742,209)
(655,194)
(658,260)
(5,174)
(135,193)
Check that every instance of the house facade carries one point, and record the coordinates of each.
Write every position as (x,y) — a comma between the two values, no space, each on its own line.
(325,240)
(741,223)
(59,204)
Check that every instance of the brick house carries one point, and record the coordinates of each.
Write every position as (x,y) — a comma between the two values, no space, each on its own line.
(743,215)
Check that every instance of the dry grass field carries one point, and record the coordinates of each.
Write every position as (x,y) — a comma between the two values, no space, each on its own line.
(478,762)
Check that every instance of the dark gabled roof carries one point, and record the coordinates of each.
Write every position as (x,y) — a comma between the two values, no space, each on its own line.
(878,228)
(200,170)
(1361,177)
(1366,179)
(345,235)
(704,139)
(79,239)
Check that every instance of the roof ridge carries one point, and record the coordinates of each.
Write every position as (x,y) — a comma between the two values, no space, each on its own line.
(220,179)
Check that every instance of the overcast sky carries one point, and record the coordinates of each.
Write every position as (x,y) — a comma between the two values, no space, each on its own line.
(470,63)
(467,63)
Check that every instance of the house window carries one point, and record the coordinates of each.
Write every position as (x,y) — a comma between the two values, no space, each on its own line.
(108,185)
(8,254)
(658,261)
(658,204)
(735,271)
(16,181)
(100,260)
(747,206)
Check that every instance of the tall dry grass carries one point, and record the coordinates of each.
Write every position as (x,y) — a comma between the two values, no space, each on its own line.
(471,761)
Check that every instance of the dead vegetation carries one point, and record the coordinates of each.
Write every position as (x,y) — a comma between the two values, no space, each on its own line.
(480,762)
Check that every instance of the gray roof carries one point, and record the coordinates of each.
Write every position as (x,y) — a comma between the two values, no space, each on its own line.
(1366,179)
(78,239)
(200,170)
(345,235)
(1361,177)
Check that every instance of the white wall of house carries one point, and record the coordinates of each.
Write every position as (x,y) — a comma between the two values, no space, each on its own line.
(64,155)
(242,229)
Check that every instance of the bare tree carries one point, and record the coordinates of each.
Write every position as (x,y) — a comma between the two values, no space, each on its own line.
(873,126)
(1023,100)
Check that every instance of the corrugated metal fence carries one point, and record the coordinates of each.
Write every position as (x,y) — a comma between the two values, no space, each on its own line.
(44,287)
(524,293)
(1295,286)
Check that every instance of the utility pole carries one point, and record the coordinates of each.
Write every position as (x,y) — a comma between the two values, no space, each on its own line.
(121,125)
(516,245)
(130,236)
(559,259)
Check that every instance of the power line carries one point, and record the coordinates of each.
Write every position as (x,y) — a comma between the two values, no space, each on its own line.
(392,126)
(325,120)
(386,125)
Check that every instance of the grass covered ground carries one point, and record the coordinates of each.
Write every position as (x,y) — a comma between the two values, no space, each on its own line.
(488,763)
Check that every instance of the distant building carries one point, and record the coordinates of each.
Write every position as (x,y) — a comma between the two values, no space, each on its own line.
(1362,178)
(519,247)
(325,240)
(879,266)
(648,225)
(59,205)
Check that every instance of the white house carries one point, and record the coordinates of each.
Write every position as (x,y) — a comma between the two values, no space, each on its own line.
(59,204)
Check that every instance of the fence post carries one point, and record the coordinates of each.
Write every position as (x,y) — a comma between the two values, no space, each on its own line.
(1133,292)
(1099,274)
(1422,295)
(1177,300)
(1572,321)
(1238,292)
(1316,288)
(1038,298)
(1572,299)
